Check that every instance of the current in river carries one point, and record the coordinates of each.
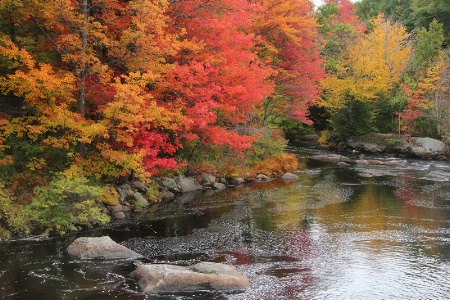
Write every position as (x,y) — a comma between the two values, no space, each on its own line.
(339,232)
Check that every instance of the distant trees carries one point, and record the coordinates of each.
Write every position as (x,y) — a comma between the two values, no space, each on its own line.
(383,79)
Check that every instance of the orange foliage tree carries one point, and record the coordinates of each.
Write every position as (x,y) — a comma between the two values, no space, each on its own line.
(288,32)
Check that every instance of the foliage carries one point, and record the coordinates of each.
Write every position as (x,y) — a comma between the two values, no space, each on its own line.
(276,164)
(269,143)
(23,185)
(109,195)
(288,33)
(66,202)
(153,193)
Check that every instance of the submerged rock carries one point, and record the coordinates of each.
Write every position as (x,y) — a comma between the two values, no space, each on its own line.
(331,158)
(100,248)
(163,278)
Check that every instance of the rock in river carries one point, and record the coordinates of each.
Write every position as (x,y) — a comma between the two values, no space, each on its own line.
(100,248)
(163,278)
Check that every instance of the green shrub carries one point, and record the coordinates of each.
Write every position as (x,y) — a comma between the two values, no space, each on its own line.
(64,203)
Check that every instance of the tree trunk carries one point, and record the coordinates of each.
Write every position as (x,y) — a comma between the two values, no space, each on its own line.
(83,64)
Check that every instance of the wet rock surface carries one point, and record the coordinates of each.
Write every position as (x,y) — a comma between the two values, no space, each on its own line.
(100,248)
(164,278)
(331,158)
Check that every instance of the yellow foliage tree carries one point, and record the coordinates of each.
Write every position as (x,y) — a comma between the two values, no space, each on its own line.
(371,65)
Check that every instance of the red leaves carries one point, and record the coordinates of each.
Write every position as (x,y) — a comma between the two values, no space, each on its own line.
(411,113)
(148,75)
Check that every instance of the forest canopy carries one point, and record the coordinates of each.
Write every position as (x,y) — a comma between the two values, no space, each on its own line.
(95,89)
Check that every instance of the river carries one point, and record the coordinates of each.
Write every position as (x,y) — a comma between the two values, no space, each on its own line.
(339,232)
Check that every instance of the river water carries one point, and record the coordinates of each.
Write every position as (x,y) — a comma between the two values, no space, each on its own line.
(339,232)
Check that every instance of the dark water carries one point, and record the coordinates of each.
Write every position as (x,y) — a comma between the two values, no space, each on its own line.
(340,232)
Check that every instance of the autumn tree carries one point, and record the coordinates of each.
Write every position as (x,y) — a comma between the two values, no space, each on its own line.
(217,78)
(372,65)
(288,33)
(100,46)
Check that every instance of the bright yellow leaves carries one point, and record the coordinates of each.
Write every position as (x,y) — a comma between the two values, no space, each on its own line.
(371,65)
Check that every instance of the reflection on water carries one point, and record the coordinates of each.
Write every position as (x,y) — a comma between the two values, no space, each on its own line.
(339,232)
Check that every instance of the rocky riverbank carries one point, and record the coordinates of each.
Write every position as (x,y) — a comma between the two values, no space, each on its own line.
(132,195)
(421,147)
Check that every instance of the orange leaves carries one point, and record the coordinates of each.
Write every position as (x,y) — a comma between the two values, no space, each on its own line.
(288,32)
(19,57)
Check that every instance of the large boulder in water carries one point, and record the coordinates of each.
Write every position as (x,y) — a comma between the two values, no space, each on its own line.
(289,176)
(100,248)
(163,278)
(378,142)
(426,146)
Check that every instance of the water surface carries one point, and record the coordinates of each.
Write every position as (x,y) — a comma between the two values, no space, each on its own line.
(339,232)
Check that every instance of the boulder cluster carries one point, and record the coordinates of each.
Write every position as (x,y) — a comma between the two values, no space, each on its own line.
(134,195)
(162,278)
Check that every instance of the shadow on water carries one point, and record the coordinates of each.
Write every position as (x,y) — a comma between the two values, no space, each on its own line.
(339,232)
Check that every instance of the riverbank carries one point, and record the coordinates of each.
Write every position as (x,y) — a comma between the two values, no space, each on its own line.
(385,144)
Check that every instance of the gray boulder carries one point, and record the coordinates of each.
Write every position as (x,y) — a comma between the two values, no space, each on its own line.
(203,276)
(426,146)
(170,184)
(208,179)
(289,177)
(100,248)
(139,186)
(123,191)
(378,142)
(263,177)
(188,184)
(237,181)
(219,186)
(168,196)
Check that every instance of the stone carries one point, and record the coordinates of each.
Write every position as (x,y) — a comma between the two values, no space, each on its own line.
(170,184)
(223,180)
(139,200)
(219,186)
(289,176)
(208,179)
(188,184)
(163,278)
(262,177)
(100,248)
(139,186)
(168,196)
(426,146)
(123,192)
(119,215)
(331,158)
(237,181)
(115,208)
(126,208)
